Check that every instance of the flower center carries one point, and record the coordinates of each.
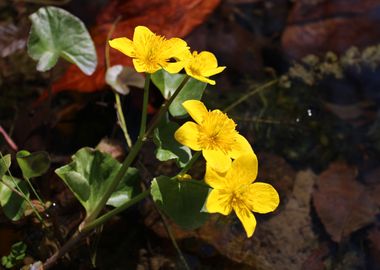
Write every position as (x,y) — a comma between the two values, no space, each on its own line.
(217,132)
(238,196)
(150,54)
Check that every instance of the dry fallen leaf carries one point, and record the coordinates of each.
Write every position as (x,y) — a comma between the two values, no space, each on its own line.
(171,18)
(342,203)
(315,27)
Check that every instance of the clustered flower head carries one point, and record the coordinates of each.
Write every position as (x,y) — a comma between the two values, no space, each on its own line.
(151,52)
(214,134)
(231,164)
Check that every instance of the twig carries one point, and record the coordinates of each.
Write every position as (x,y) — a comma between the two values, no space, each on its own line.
(8,139)
(119,109)
(249,94)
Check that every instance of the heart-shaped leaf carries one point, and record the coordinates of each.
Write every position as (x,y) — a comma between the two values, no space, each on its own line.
(181,200)
(12,204)
(167,83)
(167,147)
(126,190)
(90,174)
(33,164)
(57,33)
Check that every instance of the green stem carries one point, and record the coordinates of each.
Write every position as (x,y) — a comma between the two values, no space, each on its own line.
(35,192)
(145,106)
(102,219)
(249,94)
(191,162)
(136,147)
(21,193)
(119,110)
(120,116)
(115,182)
(165,107)
(169,231)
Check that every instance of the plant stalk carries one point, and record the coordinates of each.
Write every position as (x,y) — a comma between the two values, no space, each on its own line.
(102,219)
(249,94)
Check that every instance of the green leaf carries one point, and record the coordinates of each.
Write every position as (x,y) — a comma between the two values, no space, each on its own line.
(182,200)
(57,33)
(90,174)
(13,205)
(18,253)
(126,190)
(167,147)
(167,83)
(33,164)
(5,163)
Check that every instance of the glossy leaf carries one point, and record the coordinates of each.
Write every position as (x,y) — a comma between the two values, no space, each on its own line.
(181,200)
(5,163)
(90,174)
(167,147)
(57,33)
(167,83)
(12,204)
(126,190)
(33,164)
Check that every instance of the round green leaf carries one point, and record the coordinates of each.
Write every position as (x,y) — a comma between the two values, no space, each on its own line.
(90,174)
(182,201)
(167,147)
(57,33)
(33,164)
(12,204)
(167,83)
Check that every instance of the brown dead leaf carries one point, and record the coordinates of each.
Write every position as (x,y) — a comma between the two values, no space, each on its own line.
(342,203)
(171,18)
(316,258)
(317,26)
(374,245)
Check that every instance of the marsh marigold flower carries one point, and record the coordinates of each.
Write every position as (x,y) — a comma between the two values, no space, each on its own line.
(214,134)
(201,66)
(151,52)
(235,190)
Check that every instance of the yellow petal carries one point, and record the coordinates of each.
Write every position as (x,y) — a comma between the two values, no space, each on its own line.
(243,170)
(263,198)
(240,147)
(218,201)
(217,160)
(208,60)
(200,78)
(214,179)
(247,219)
(174,48)
(196,109)
(174,67)
(141,36)
(187,135)
(124,45)
(212,71)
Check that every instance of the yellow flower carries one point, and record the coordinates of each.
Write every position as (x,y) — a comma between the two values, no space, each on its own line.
(201,66)
(214,134)
(151,52)
(235,190)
